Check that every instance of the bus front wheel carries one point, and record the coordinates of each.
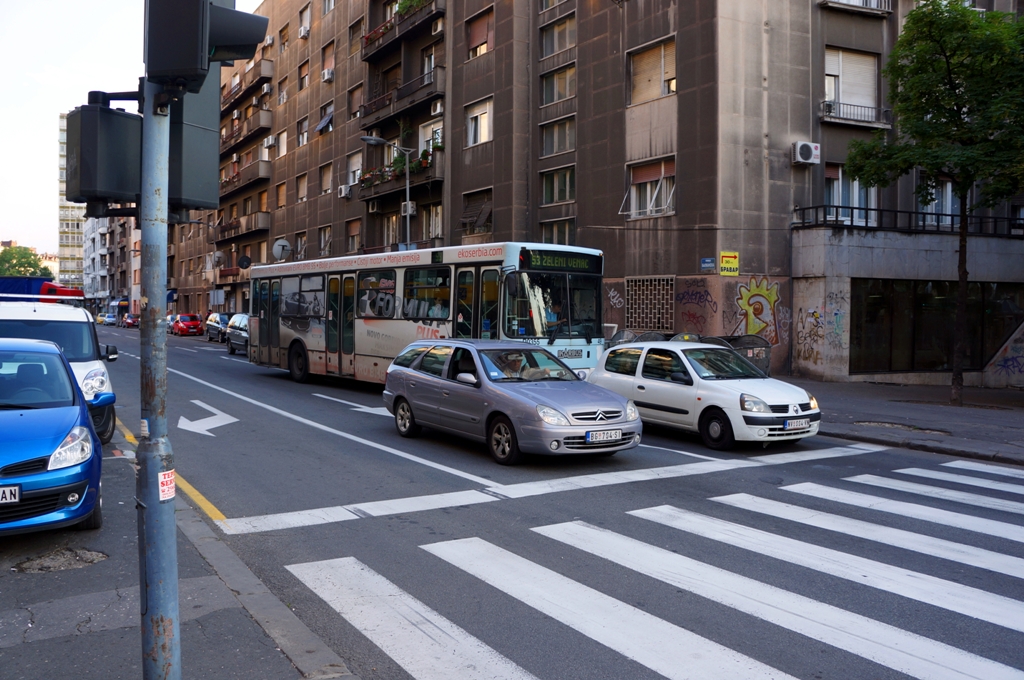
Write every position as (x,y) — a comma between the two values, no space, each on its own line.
(298,364)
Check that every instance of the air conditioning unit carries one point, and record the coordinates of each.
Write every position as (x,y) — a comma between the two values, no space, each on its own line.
(345,191)
(270,141)
(437,107)
(255,101)
(268,41)
(304,32)
(408,208)
(267,89)
(234,158)
(235,115)
(327,75)
(437,26)
(806,153)
(373,207)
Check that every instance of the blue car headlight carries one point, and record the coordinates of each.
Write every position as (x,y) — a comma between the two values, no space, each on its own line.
(76,448)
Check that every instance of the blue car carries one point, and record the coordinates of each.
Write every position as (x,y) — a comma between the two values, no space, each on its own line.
(50,455)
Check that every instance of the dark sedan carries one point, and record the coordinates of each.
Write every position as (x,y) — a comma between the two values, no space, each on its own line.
(238,334)
(216,327)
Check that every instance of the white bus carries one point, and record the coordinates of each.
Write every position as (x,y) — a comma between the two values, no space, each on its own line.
(350,316)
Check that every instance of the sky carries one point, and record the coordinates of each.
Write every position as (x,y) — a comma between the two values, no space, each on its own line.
(53,60)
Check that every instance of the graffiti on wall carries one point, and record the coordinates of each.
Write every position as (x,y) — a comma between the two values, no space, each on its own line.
(698,304)
(837,312)
(758,302)
(614,298)
(810,335)
(1010,360)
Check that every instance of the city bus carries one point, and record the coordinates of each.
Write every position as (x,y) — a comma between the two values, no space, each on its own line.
(350,316)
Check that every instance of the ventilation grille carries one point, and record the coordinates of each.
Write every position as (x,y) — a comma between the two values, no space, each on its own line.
(650,303)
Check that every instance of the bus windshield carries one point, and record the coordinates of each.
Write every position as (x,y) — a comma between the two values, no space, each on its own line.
(546,304)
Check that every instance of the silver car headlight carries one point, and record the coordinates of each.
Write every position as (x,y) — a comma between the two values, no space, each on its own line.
(76,448)
(551,416)
(631,412)
(751,403)
(96,381)
(814,402)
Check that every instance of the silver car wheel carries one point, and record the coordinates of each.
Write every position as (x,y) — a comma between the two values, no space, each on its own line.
(501,440)
(404,420)
(715,429)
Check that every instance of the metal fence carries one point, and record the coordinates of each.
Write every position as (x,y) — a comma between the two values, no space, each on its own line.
(906,220)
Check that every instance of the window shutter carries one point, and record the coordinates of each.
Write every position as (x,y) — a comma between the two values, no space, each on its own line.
(670,60)
(669,169)
(478,31)
(646,75)
(832,171)
(831,62)
(650,172)
(858,80)
(353,227)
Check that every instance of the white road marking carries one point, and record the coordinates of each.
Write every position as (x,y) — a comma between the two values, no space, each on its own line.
(908,540)
(424,643)
(659,645)
(963,479)
(940,493)
(986,467)
(997,609)
(359,408)
(924,513)
(203,426)
(685,453)
(887,645)
(186,349)
(243,361)
(212,349)
(817,454)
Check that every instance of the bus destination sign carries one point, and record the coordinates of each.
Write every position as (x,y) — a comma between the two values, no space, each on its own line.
(553,260)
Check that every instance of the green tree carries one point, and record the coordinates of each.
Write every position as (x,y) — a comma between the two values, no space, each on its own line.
(20,261)
(956,84)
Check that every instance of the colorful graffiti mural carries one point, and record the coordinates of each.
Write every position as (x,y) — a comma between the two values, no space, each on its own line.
(758,300)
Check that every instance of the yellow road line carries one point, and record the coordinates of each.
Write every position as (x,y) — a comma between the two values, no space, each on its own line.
(127,433)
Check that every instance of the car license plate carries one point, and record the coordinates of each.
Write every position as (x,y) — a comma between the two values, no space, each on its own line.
(800,424)
(604,436)
(10,494)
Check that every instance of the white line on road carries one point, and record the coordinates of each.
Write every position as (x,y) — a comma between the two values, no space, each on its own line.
(361,408)
(424,643)
(908,540)
(186,349)
(997,609)
(963,479)
(212,349)
(248,363)
(659,645)
(943,494)
(818,454)
(924,513)
(685,453)
(985,467)
(898,649)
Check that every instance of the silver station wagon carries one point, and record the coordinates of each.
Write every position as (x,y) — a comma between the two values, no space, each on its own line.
(516,397)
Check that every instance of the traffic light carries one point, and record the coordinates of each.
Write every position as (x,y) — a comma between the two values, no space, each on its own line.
(184,36)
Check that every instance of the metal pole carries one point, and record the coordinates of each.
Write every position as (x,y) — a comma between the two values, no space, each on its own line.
(408,232)
(154,483)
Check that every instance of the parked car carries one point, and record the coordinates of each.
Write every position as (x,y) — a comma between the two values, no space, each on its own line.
(130,321)
(516,397)
(238,333)
(170,324)
(216,327)
(51,458)
(71,329)
(187,324)
(708,389)
(105,319)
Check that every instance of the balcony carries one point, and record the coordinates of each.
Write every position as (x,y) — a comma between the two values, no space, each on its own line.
(255,171)
(170,250)
(387,33)
(261,72)
(259,221)
(229,271)
(172,282)
(881,8)
(906,221)
(422,88)
(395,247)
(380,181)
(261,121)
(854,114)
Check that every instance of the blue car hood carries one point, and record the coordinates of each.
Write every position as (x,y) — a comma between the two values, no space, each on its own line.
(29,434)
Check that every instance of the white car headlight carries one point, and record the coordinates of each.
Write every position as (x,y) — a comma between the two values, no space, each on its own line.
(631,412)
(551,416)
(751,403)
(76,448)
(95,382)
(814,402)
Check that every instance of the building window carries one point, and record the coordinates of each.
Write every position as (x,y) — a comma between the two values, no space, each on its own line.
(432,219)
(355,100)
(282,143)
(282,91)
(233,212)
(558,85)
(562,232)
(249,64)
(354,167)
(326,174)
(431,135)
(559,186)
(559,136)
(326,123)
(301,185)
(652,188)
(282,39)
(247,204)
(236,80)
(851,85)
(476,212)
(303,75)
(391,151)
(324,236)
(327,56)
(390,228)
(478,123)
(390,10)
(843,195)
(558,36)
(653,73)
(355,37)
(300,246)
(304,18)
(481,34)
(263,196)
(281,194)
(328,6)
(945,206)
(352,228)
(302,130)
(548,4)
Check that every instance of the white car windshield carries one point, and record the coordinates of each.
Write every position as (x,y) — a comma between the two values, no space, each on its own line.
(721,364)
(77,339)
(524,365)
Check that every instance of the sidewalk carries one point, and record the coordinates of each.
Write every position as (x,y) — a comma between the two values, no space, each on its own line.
(990,426)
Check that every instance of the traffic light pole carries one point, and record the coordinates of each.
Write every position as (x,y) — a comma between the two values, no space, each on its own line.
(154,485)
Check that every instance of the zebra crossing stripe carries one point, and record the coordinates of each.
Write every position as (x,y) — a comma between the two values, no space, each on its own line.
(659,645)
(924,513)
(963,479)
(997,609)
(881,643)
(424,643)
(985,467)
(942,494)
(908,540)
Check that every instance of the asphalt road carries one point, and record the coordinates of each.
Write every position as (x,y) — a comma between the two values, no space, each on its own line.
(424,559)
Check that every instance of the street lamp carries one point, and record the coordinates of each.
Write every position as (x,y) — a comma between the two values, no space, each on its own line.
(378,141)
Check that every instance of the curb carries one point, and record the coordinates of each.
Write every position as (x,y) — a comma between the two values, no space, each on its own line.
(996,455)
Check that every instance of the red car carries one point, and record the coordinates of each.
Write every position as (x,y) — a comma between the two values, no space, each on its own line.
(187,324)
(130,321)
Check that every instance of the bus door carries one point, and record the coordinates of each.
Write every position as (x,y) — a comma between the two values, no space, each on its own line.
(489,299)
(348,325)
(333,324)
(263,312)
(477,302)
(275,322)
(465,302)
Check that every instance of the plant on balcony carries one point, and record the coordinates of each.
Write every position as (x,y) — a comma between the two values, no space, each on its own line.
(407,7)
(438,146)
(378,32)
(398,165)
(956,80)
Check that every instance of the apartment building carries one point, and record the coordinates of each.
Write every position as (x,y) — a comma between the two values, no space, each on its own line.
(72,220)
(700,145)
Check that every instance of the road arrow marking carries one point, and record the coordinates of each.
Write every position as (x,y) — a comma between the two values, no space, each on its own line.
(360,408)
(201,426)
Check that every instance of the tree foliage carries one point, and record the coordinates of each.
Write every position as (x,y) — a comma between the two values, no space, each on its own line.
(20,261)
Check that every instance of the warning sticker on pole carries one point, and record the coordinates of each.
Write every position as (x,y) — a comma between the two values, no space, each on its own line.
(166,485)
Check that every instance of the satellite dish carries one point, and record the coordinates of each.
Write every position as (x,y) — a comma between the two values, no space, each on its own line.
(244,262)
(218,258)
(281,250)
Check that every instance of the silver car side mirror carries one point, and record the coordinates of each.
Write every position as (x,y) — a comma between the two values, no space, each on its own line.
(467,378)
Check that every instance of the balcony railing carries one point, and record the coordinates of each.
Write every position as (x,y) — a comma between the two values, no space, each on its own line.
(841,112)
(906,221)
(400,24)
(261,72)
(385,180)
(259,122)
(868,6)
(401,98)
(259,221)
(256,170)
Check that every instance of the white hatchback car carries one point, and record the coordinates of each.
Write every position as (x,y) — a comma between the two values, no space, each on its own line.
(708,389)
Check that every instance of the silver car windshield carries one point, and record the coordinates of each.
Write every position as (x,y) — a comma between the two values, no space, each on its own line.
(721,364)
(525,365)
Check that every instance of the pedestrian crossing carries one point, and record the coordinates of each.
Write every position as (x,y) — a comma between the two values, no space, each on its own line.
(856,535)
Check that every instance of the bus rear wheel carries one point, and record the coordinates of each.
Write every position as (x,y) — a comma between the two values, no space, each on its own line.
(298,364)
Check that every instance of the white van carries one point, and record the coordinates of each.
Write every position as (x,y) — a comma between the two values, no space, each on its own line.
(73,330)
